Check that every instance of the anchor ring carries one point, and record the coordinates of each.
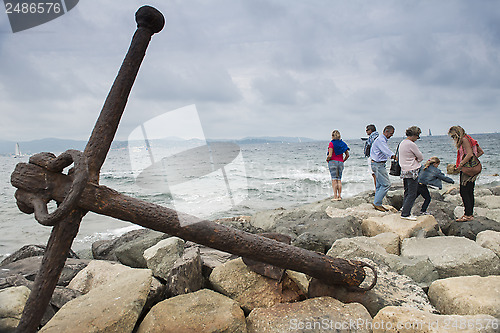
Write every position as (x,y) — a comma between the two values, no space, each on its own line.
(81,176)
(374,282)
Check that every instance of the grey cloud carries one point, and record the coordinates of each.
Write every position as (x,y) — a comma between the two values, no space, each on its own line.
(442,61)
(196,83)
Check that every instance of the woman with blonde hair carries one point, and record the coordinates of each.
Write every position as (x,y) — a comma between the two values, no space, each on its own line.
(468,151)
(338,153)
(430,175)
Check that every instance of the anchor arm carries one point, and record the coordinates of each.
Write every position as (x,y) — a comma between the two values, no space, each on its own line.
(105,201)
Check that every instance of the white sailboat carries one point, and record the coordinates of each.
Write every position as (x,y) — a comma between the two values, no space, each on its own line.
(17,151)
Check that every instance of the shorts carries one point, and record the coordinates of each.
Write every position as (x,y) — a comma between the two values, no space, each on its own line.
(336,168)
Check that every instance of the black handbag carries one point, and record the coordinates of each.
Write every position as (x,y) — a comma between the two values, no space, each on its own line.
(395,169)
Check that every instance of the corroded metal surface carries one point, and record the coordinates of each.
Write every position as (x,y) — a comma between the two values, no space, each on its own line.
(77,192)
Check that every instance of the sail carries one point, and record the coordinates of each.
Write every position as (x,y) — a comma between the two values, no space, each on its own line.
(17,150)
(430,133)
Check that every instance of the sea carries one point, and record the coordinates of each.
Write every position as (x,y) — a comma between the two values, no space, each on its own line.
(254,177)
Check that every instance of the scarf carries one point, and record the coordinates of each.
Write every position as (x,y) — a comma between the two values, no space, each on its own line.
(339,147)
(461,150)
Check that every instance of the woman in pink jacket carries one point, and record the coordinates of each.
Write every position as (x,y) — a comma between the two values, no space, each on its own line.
(409,157)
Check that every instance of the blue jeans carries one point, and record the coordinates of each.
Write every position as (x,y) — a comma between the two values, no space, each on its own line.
(382,182)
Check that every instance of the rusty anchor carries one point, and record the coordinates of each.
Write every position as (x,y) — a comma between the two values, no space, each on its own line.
(77,192)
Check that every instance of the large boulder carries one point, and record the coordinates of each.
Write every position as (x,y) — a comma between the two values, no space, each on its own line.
(362,211)
(467,295)
(30,266)
(28,251)
(211,258)
(488,201)
(97,273)
(391,289)
(320,314)
(60,296)
(390,242)
(453,256)
(186,273)
(419,268)
(12,301)
(443,212)
(201,311)
(489,239)
(113,307)
(128,248)
(312,219)
(410,320)
(470,229)
(251,290)
(101,273)
(161,257)
(375,225)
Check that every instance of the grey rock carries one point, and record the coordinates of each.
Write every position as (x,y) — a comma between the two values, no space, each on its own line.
(161,257)
(106,249)
(131,253)
(470,229)
(185,275)
(28,251)
(211,258)
(29,267)
(419,268)
(489,239)
(453,256)
(309,241)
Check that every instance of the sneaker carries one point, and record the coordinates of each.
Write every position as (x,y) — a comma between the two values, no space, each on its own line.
(410,218)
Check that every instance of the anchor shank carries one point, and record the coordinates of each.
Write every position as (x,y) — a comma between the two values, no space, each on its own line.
(55,255)
(107,124)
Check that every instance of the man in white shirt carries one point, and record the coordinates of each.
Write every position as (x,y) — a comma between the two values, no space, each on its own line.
(379,154)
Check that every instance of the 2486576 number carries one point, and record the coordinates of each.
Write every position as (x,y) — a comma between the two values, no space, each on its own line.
(33,8)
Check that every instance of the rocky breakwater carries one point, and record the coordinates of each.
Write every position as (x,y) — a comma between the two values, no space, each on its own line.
(434,275)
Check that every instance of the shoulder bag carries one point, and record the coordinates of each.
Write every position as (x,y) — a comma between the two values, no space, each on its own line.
(395,169)
(473,167)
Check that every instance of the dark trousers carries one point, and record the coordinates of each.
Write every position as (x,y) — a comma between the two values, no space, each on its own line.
(424,192)
(467,194)
(411,188)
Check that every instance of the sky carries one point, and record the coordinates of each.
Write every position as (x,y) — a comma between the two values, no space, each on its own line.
(260,68)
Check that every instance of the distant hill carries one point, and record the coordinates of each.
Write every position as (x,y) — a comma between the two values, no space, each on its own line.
(273,139)
(57,146)
(52,145)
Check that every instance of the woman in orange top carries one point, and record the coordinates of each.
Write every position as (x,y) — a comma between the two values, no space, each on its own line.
(467,152)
